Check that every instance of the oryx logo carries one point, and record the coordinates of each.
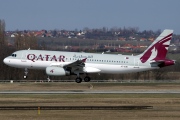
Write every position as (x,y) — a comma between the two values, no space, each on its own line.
(52,71)
(158,50)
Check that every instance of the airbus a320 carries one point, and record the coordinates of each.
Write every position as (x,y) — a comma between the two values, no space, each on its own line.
(60,63)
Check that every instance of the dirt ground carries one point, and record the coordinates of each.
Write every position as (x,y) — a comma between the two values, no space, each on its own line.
(165,106)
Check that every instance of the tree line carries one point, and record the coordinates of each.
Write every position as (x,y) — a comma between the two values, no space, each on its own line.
(30,41)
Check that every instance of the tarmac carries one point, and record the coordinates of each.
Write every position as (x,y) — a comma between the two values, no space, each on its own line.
(95,92)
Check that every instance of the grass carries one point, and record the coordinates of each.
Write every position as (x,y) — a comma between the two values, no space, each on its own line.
(165,106)
(84,96)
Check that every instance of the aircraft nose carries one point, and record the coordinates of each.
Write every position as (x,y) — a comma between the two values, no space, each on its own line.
(6,61)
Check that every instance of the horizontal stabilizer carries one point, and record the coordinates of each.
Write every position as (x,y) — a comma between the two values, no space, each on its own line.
(162,63)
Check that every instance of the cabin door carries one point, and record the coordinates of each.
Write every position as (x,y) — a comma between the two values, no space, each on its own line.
(24,57)
(136,63)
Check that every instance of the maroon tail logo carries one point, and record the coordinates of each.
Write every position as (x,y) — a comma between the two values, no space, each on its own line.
(157,51)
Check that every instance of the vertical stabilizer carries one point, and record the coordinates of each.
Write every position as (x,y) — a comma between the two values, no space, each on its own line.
(158,49)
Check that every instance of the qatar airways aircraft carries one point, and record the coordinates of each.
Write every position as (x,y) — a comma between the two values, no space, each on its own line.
(60,63)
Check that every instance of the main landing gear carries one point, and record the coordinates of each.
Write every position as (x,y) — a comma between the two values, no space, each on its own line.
(79,79)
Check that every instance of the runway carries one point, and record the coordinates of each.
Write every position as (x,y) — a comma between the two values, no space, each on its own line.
(95,92)
(129,107)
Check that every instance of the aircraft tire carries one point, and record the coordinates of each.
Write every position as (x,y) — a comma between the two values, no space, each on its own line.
(78,80)
(25,77)
(87,79)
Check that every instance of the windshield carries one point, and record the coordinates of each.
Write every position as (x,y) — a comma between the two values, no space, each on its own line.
(13,55)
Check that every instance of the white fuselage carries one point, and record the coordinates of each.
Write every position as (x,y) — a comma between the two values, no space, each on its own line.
(102,63)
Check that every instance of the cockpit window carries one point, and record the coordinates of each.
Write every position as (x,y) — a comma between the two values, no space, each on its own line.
(13,55)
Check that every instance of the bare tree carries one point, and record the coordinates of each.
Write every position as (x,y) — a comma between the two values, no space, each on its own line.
(159,74)
(24,41)
(2,33)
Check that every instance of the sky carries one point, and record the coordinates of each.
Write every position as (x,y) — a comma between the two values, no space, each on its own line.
(79,14)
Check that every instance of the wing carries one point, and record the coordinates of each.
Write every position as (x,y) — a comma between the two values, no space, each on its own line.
(75,66)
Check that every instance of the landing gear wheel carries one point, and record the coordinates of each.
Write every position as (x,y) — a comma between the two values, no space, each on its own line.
(87,79)
(78,80)
(25,73)
(25,76)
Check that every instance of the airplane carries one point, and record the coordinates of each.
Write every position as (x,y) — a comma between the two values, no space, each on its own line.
(61,63)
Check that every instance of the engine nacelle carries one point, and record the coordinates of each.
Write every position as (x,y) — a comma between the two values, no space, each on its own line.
(56,71)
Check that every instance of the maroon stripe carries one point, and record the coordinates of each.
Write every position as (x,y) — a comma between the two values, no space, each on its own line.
(167,36)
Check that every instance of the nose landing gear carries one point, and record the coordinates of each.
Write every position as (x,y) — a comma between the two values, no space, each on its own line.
(25,73)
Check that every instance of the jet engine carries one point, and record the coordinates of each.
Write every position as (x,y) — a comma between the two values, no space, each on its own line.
(56,71)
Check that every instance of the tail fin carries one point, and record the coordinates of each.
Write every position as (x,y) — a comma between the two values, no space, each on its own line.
(158,49)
